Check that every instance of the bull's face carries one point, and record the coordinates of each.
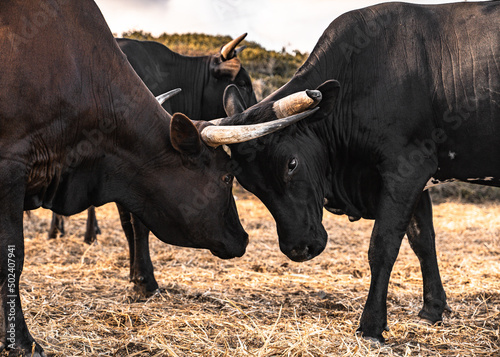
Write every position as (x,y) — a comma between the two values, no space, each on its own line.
(288,172)
(188,199)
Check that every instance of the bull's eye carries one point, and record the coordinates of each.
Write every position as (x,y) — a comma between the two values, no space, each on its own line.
(227,179)
(292,165)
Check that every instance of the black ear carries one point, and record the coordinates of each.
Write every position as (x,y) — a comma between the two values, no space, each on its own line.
(330,92)
(226,68)
(184,135)
(233,100)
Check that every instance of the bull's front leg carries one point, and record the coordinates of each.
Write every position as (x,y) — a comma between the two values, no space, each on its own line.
(144,278)
(14,334)
(141,267)
(394,212)
(422,240)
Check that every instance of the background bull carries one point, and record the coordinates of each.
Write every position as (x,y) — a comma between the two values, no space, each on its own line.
(418,104)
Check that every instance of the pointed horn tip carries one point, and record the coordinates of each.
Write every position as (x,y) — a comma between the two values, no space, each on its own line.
(162,98)
(314,94)
(227,51)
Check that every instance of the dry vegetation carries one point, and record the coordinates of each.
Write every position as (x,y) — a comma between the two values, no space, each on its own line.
(78,301)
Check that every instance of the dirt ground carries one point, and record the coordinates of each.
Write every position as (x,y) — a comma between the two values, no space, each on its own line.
(78,300)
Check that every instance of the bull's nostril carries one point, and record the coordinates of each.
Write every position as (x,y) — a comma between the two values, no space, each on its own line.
(300,254)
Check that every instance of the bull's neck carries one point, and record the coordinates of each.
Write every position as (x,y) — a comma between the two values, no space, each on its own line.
(191,75)
(130,133)
(337,132)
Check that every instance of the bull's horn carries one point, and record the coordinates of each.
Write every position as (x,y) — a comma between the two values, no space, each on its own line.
(223,135)
(227,51)
(290,105)
(166,96)
(239,50)
(296,103)
(216,121)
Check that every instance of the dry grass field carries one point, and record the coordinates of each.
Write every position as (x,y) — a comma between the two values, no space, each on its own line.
(78,300)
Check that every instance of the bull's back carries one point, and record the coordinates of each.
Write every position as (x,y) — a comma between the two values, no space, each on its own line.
(465,77)
(53,67)
(146,59)
(431,74)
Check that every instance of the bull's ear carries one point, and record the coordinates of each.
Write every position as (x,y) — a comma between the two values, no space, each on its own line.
(184,135)
(329,92)
(233,101)
(226,68)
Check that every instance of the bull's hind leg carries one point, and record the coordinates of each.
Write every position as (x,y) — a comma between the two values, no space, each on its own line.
(56,225)
(92,229)
(14,334)
(422,240)
(141,267)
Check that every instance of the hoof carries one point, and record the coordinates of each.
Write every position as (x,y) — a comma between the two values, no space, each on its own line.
(89,239)
(145,289)
(34,351)
(374,339)
(154,294)
(426,322)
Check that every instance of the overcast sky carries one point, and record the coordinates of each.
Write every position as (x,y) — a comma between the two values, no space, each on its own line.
(294,24)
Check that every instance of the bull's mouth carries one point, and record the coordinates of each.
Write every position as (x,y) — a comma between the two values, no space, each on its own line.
(224,254)
(221,255)
(233,251)
(305,249)
(301,255)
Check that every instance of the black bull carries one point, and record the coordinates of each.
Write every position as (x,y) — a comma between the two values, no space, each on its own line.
(64,80)
(418,103)
(203,80)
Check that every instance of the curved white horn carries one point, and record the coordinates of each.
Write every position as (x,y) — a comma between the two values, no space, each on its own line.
(290,105)
(296,103)
(227,50)
(166,96)
(219,135)
(216,121)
